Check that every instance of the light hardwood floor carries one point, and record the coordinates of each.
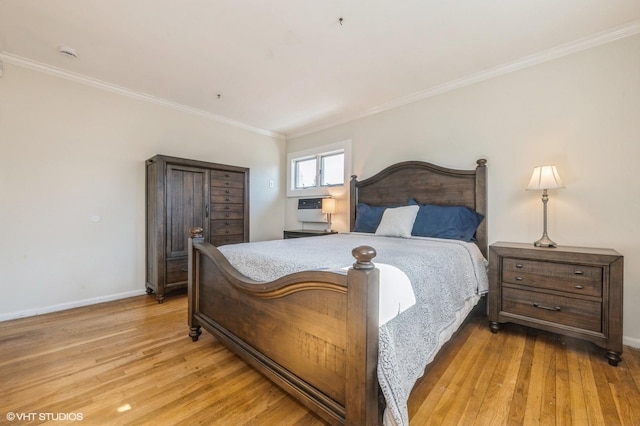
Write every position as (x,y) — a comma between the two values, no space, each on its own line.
(131,362)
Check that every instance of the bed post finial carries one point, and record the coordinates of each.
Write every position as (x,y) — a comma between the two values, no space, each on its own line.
(196,232)
(482,162)
(363,255)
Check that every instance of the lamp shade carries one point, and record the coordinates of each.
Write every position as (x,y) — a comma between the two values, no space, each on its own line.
(545,177)
(328,205)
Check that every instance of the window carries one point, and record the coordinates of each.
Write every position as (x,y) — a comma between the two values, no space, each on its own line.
(305,173)
(313,172)
(328,169)
(332,169)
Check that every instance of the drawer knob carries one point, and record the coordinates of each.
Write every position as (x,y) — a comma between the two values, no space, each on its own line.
(579,287)
(578,272)
(519,265)
(184,270)
(519,278)
(548,308)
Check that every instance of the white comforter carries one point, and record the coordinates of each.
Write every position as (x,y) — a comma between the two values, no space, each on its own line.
(447,276)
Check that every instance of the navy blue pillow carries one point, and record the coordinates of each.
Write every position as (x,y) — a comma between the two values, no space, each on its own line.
(450,222)
(368,217)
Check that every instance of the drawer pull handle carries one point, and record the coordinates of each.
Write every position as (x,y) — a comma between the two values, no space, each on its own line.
(519,265)
(579,287)
(548,308)
(226,191)
(579,272)
(184,270)
(519,278)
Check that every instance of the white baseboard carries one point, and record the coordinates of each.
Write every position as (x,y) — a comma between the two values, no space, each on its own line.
(69,305)
(631,341)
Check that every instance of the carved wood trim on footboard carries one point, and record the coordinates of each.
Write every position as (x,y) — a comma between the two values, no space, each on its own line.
(315,333)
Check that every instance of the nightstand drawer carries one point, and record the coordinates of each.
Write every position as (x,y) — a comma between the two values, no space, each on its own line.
(585,280)
(584,314)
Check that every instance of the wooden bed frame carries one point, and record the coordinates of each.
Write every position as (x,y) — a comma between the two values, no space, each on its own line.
(315,333)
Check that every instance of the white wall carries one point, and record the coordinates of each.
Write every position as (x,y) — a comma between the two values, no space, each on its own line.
(68,152)
(580,112)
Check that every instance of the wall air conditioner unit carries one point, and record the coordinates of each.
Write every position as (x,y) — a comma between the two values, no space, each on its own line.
(310,210)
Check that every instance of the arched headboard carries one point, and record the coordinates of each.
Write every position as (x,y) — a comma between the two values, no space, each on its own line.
(426,183)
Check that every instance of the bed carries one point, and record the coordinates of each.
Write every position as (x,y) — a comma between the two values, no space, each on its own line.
(315,329)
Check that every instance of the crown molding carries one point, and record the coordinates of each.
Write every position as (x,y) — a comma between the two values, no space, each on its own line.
(103,85)
(630,29)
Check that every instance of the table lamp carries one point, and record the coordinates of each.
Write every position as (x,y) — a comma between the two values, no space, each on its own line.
(329,207)
(545,177)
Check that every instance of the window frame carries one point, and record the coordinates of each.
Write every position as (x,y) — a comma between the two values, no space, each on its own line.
(318,153)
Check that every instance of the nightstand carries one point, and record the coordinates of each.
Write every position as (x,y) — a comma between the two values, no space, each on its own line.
(300,233)
(574,291)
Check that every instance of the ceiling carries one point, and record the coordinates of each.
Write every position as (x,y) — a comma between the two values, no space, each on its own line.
(287,67)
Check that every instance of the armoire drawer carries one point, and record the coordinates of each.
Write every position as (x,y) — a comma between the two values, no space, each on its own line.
(227,239)
(227,227)
(177,270)
(227,195)
(227,211)
(226,179)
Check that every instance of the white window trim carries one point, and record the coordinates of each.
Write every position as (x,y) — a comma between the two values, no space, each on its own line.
(319,191)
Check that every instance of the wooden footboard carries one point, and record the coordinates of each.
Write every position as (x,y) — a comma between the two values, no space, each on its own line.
(315,334)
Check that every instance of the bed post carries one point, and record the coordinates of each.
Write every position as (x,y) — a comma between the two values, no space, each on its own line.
(361,391)
(481,206)
(192,285)
(353,202)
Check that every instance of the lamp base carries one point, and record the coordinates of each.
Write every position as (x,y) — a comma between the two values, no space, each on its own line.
(545,241)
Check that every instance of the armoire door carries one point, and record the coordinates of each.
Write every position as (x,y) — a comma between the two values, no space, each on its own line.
(187,206)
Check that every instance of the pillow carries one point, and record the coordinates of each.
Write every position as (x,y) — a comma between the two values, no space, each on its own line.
(397,221)
(368,217)
(450,222)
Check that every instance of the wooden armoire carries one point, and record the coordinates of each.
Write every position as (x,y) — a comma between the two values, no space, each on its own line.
(182,194)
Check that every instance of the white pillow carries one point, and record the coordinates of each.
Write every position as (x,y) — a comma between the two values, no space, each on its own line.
(398,221)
